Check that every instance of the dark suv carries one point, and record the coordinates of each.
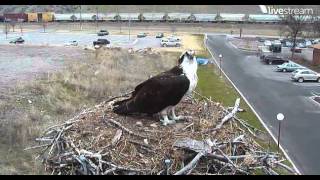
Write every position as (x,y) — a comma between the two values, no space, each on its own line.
(101,42)
(272,59)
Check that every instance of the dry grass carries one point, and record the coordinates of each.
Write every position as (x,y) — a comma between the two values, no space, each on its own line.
(59,96)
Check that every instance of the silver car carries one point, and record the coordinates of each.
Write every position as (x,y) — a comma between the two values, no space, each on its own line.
(305,75)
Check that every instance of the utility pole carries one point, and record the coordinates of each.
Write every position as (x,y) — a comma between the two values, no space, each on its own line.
(80,18)
(97,17)
(119,18)
(129,25)
(6,29)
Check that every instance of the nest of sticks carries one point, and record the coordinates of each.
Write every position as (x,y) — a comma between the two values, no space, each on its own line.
(211,141)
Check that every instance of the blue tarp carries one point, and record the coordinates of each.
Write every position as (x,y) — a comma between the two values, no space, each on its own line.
(202,61)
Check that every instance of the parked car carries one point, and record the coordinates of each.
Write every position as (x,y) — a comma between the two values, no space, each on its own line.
(289,67)
(169,42)
(316,41)
(267,43)
(305,75)
(260,39)
(275,46)
(296,50)
(272,59)
(159,35)
(103,33)
(18,41)
(301,45)
(308,43)
(141,35)
(174,38)
(100,42)
(71,43)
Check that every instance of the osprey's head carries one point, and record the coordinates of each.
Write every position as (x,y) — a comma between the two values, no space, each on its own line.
(187,55)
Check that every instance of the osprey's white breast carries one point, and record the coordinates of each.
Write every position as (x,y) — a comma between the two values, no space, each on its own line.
(190,70)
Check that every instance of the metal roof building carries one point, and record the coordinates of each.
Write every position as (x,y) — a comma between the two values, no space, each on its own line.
(205,17)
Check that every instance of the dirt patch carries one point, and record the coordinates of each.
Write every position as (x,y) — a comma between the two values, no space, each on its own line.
(24,62)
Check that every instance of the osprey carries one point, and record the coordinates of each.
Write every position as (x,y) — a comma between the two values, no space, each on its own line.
(161,93)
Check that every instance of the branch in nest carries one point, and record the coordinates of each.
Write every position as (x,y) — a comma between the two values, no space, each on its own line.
(189,167)
(227,117)
(124,128)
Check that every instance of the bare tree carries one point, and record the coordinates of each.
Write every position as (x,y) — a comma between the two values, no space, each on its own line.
(316,23)
(293,27)
(316,26)
(6,29)
(13,24)
(20,25)
(44,25)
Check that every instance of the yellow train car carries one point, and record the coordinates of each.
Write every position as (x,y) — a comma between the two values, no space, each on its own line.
(46,17)
(32,17)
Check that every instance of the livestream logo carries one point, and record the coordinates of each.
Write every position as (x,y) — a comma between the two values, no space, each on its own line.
(285,11)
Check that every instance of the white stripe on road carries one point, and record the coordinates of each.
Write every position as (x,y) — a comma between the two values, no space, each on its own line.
(260,119)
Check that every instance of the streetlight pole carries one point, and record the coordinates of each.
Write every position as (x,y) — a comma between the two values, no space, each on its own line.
(97,18)
(129,25)
(220,58)
(80,18)
(280,117)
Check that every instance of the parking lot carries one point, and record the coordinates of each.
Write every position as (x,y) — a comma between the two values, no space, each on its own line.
(270,93)
(83,39)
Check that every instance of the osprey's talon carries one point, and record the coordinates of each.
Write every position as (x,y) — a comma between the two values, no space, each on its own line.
(177,118)
(166,122)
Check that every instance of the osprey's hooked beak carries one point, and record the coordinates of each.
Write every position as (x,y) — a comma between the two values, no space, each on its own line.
(191,54)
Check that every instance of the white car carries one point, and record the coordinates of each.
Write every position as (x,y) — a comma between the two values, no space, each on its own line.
(169,42)
(305,75)
(71,43)
(174,38)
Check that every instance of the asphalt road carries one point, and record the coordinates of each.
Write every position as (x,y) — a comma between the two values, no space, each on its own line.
(270,93)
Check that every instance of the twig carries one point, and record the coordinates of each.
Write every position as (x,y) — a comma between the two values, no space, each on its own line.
(189,167)
(227,117)
(124,128)
(34,147)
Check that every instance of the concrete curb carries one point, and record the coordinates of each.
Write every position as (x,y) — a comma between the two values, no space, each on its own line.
(260,119)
